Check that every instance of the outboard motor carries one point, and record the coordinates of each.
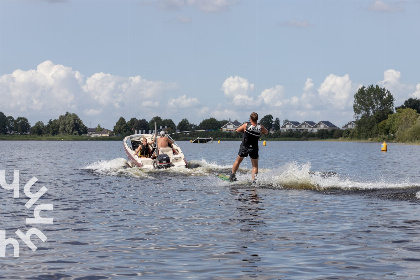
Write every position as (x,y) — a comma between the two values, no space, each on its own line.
(163,161)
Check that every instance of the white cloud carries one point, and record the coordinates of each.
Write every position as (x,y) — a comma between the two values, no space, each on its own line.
(309,85)
(118,91)
(337,92)
(392,83)
(184,19)
(211,6)
(391,77)
(48,88)
(381,6)
(238,90)
(297,23)
(52,89)
(150,104)
(332,100)
(92,112)
(416,94)
(202,112)
(183,102)
(273,96)
(180,19)
(207,6)
(225,114)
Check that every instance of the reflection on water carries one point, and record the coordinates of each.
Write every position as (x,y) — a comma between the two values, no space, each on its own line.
(250,223)
(114,222)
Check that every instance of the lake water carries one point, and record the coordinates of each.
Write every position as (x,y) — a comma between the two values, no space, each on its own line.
(320,210)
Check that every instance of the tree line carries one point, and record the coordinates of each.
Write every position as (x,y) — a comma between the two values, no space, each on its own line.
(125,128)
(376,118)
(67,124)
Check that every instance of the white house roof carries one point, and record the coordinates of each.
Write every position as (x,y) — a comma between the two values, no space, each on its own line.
(293,123)
(328,124)
(350,123)
(310,123)
(234,124)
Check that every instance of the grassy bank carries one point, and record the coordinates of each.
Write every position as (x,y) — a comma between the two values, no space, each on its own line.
(182,138)
(57,138)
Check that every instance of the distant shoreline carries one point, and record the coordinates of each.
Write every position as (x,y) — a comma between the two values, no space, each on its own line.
(120,138)
(57,138)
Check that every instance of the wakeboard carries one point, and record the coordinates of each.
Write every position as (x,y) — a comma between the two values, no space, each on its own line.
(224,177)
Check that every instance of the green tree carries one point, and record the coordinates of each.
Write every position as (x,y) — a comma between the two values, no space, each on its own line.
(120,128)
(99,128)
(267,121)
(169,124)
(10,124)
(399,122)
(184,125)
(22,125)
(38,128)
(371,100)
(406,119)
(411,134)
(209,124)
(71,124)
(412,103)
(159,122)
(337,133)
(51,127)
(143,125)
(3,123)
(223,122)
(133,125)
(276,125)
(371,106)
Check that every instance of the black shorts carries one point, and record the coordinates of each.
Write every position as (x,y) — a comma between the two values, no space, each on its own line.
(244,151)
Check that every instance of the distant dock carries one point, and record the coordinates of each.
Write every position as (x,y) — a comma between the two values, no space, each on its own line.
(203,140)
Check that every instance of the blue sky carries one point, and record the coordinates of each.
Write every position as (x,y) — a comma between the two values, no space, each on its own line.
(298,60)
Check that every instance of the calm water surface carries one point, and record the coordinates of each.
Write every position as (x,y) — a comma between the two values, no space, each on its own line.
(320,210)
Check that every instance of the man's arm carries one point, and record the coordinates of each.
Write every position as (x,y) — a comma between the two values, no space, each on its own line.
(241,128)
(264,130)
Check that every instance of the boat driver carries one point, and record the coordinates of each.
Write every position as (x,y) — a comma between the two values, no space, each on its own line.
(143,150)
(164,141)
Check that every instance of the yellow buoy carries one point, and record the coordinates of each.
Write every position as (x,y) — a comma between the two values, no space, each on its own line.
(384,147)
(218,141)
(264,143)
(190,141)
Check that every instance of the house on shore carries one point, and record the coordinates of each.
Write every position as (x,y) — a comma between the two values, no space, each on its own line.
(290,126)
(231,126)
(325,125)
(103,133)
(349,125)
(309,126)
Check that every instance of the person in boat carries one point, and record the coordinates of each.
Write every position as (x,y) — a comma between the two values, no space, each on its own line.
(164,141)
(249,146)
(143,150)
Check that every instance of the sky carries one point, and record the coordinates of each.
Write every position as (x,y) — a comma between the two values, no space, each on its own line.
(301,60)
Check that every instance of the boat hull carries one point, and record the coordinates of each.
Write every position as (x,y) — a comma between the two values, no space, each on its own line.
(173,156)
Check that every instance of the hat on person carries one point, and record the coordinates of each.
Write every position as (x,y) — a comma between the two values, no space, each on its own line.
(162,133)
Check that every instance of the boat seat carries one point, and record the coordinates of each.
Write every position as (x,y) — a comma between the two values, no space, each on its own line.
(166,150)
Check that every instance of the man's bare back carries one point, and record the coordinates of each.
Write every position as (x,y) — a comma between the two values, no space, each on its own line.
(163,141)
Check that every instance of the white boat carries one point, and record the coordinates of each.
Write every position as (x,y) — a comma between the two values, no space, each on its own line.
(162,158)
